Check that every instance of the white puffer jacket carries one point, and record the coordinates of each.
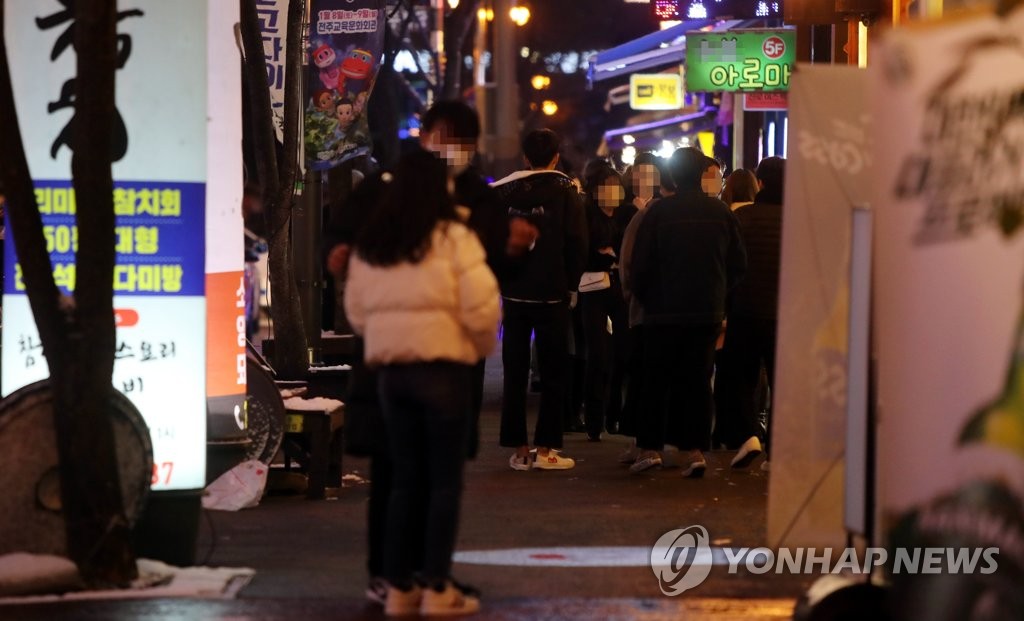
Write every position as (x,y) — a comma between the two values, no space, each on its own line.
(443,308)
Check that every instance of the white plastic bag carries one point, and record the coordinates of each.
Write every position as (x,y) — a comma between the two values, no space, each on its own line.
(238,488)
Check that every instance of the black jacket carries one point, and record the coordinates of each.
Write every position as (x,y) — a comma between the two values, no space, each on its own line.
(488,218)
(688,255)
(757,295)
(551,201)
(606,231)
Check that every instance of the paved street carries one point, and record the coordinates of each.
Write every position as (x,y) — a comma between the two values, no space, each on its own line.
(309,555)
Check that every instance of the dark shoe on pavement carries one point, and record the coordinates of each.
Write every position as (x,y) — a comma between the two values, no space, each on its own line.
(693,464)
(645,461)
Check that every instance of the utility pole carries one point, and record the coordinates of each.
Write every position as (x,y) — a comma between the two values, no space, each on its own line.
(506,125)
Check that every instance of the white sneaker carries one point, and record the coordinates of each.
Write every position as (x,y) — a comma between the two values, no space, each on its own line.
(451,601)
(401,603)
(645,460)
(693,464)
(520,463)
(750,451)
(553,461)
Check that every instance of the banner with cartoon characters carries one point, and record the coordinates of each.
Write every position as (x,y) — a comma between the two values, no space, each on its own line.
(949,177)
(346,40)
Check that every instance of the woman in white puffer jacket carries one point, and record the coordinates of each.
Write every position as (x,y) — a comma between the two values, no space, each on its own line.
(421,295)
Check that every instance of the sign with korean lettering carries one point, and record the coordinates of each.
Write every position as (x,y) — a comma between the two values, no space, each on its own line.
(167,174)
(273,16)
(740,60)
(655,91)
(345,47)
(765,101)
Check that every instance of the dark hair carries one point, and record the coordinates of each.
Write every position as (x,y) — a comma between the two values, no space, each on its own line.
(596,173)
(686,165)
(457,116)
(772,174)
(740,187)
(666,177)
(345,101)
(540,147)
(399,227)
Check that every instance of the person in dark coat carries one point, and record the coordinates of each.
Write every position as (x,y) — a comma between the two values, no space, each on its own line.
(688,255)
(753,317)
(537,300)
(608,215)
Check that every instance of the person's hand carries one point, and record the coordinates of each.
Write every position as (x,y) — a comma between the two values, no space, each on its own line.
(337,260)
(640,203)
(573,299)
(521,236)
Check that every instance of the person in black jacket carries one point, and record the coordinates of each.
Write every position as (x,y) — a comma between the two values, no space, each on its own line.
(688,255)
(608,214)
(753,317)
(536,300)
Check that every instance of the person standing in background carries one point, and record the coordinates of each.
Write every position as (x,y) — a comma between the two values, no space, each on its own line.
(688,255)
(753,318)
(537,300)
(608,214)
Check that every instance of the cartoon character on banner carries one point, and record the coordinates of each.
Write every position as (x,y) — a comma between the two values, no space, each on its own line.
(326,60)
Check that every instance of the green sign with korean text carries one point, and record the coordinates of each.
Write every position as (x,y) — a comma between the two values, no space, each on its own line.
(740,60)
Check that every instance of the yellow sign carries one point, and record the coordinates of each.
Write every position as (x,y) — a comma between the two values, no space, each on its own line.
(655,91)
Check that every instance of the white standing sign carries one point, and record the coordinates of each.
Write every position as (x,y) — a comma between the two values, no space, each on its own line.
(166,115)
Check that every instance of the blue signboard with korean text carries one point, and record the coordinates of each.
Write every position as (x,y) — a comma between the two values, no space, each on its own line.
(167,118)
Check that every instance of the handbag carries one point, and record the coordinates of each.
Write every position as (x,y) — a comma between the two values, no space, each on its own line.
(594,281)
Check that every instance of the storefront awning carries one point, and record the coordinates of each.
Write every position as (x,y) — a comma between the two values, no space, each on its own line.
(665,47)
(645,136)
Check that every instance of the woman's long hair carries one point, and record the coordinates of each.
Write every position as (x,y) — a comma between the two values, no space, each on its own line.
(400,226)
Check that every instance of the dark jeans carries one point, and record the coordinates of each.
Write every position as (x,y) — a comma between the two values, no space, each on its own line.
(727,408)
(606,356)
(426,408)
(750,343)
(678,404)
(550,324)
(634,381)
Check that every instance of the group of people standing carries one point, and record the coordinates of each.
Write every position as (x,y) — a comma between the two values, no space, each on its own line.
(638,271)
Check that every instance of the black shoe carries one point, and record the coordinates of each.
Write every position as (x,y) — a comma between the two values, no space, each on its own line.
(593,437)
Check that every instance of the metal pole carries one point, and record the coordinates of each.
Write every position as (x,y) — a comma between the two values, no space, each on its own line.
(738,127)
(307,243)
(506,147)
(480,81)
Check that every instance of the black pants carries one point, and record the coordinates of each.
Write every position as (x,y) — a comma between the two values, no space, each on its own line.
(426,408)
(550,324)
(750,344)
(678,403)
(634,382)
(727,409)
(606,356)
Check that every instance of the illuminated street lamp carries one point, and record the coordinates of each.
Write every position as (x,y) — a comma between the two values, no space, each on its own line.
(520,15)
(454,4)
(549,108)
(540,82)
(485,15)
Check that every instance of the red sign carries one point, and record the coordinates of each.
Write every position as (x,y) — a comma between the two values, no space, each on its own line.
(765,101)
(773,47)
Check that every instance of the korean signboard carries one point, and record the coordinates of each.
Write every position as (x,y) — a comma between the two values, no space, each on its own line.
(346,41)
(949,308)
(655,91)
(176,182)
(740,60)
(716,9)
(273,16)
(765,101)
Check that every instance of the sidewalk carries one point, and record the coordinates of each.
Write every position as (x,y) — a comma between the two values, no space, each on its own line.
(309,556)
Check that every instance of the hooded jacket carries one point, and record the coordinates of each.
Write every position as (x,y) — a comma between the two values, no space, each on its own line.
(757,295)
(551,201)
